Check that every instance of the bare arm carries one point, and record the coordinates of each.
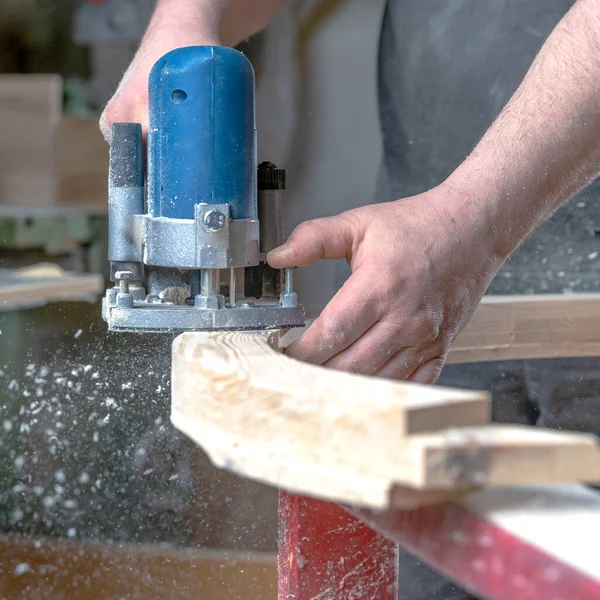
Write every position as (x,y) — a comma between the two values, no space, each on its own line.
(421,265)
(242,18)
(179,23)
(232,20)
(545,145)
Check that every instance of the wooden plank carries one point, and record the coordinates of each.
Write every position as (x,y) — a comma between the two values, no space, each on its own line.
(521,327)
(498,455)
(349,438)
(44,283)
(240,368)
(30,110)
(47,568)
(534,326)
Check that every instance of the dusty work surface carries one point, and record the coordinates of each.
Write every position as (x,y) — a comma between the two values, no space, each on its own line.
(71,570)
(87,452)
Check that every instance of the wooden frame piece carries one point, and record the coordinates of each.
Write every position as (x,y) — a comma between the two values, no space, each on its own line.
(30,112)
(48,159)
(326,434)
(535,326)
(363,440)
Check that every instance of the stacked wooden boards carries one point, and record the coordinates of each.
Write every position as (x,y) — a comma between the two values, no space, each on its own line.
(47,158)
(30,113)
(375,442)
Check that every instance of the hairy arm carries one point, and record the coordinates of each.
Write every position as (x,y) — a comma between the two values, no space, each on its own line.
(545,145)
(179,23)
(420,265)
(231,20)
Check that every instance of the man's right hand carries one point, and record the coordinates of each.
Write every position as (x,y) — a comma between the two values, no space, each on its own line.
(175,24)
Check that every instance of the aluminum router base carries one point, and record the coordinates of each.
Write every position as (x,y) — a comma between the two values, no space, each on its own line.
(165,318)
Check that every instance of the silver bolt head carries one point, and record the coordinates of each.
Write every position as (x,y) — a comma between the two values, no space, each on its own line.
(214,221)
(127,275)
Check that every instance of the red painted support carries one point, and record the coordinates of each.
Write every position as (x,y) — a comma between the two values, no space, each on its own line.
(327,553)
(506,544)
(486,559)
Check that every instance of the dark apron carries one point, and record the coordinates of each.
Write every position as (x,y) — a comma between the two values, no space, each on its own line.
(446,69)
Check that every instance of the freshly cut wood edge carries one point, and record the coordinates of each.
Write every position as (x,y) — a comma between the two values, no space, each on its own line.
(502,455)
(521,327)
(236,370)
(281,464)
(427,469)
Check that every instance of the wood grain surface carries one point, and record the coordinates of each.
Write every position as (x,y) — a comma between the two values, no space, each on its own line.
(82,163)
(349,438)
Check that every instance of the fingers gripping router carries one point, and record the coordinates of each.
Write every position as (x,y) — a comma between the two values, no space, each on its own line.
(210,212)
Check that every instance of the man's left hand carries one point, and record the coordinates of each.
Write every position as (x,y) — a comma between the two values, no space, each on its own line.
(419,269)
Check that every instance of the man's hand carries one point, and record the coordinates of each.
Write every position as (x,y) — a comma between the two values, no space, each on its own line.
(421,265)
(418,273)
(175,24)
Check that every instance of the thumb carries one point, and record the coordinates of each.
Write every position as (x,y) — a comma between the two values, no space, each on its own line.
(330,237)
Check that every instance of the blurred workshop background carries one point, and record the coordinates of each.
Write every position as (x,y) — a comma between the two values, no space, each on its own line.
(99,496)
(316,72)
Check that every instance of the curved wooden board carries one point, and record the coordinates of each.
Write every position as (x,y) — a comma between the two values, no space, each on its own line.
(349,438)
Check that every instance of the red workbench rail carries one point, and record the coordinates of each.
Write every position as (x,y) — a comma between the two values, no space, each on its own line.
(514,544)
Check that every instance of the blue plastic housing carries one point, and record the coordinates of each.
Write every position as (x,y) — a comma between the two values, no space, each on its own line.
(202,133)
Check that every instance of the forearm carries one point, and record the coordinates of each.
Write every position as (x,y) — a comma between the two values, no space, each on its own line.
(230,21)
(241,19)
(545,145)
(177,24)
